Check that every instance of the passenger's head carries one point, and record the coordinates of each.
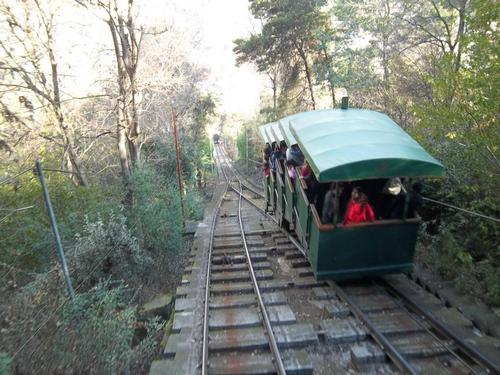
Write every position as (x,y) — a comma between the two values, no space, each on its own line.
(393,186)
(363,199)
(333,187)
(356,193)
(283,144)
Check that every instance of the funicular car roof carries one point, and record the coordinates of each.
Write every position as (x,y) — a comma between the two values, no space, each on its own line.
(263,133)
(356,144)
(274,132)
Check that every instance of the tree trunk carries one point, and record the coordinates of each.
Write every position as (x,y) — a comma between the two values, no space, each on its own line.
(328,63)
(78,174)
(308,76)
(121,122)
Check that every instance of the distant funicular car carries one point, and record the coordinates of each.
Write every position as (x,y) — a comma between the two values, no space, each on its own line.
(347,148)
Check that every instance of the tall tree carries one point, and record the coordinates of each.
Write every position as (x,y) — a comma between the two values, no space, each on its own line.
(29,57)
(288,34)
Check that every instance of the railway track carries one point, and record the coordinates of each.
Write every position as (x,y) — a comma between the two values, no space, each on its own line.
(264,312)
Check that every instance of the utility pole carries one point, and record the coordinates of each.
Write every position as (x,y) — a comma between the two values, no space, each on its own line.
(178,158)
(53,223)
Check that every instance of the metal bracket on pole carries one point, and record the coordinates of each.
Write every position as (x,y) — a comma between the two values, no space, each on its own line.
(53,223)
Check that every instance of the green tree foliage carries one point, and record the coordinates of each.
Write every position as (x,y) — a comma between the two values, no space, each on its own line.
(287,45)
(433,66)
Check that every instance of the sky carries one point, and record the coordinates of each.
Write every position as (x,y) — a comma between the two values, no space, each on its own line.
(214,24)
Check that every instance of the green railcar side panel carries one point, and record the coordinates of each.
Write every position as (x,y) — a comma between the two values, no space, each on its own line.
(267,188)
(280,196)
(304,215)
(272,190)
(356,144)
(290,197)
(356,251)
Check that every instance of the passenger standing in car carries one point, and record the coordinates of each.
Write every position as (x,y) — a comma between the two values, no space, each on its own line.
(330,204)
(358,208)
(393,200)
(290,166)
(267,152)
(308,176)
(275,157)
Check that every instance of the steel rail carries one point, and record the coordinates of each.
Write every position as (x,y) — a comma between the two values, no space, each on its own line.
(283,231)
(278,362)
(204,362)
(386,345)
(468,349)
(419,321)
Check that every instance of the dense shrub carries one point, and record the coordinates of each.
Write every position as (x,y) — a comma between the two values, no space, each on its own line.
(26,237)
(155,216)
(108,248)
(98,332)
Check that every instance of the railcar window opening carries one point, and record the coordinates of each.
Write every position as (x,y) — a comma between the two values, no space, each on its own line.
(388,199)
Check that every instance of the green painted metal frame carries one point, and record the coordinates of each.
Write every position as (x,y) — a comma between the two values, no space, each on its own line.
(354,251)
(280,193)
(290,198)
(272,191)
(303,219)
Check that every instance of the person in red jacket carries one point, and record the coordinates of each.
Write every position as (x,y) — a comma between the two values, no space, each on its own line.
(358,209)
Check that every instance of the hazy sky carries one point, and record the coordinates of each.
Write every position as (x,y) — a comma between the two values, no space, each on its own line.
(214,23)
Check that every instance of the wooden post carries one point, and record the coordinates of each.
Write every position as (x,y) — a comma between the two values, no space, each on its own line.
(178,159)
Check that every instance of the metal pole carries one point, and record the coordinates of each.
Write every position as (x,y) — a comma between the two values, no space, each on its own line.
(53,223)
(178,158)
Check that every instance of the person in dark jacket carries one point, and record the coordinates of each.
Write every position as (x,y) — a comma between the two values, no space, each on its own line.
(330,204)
